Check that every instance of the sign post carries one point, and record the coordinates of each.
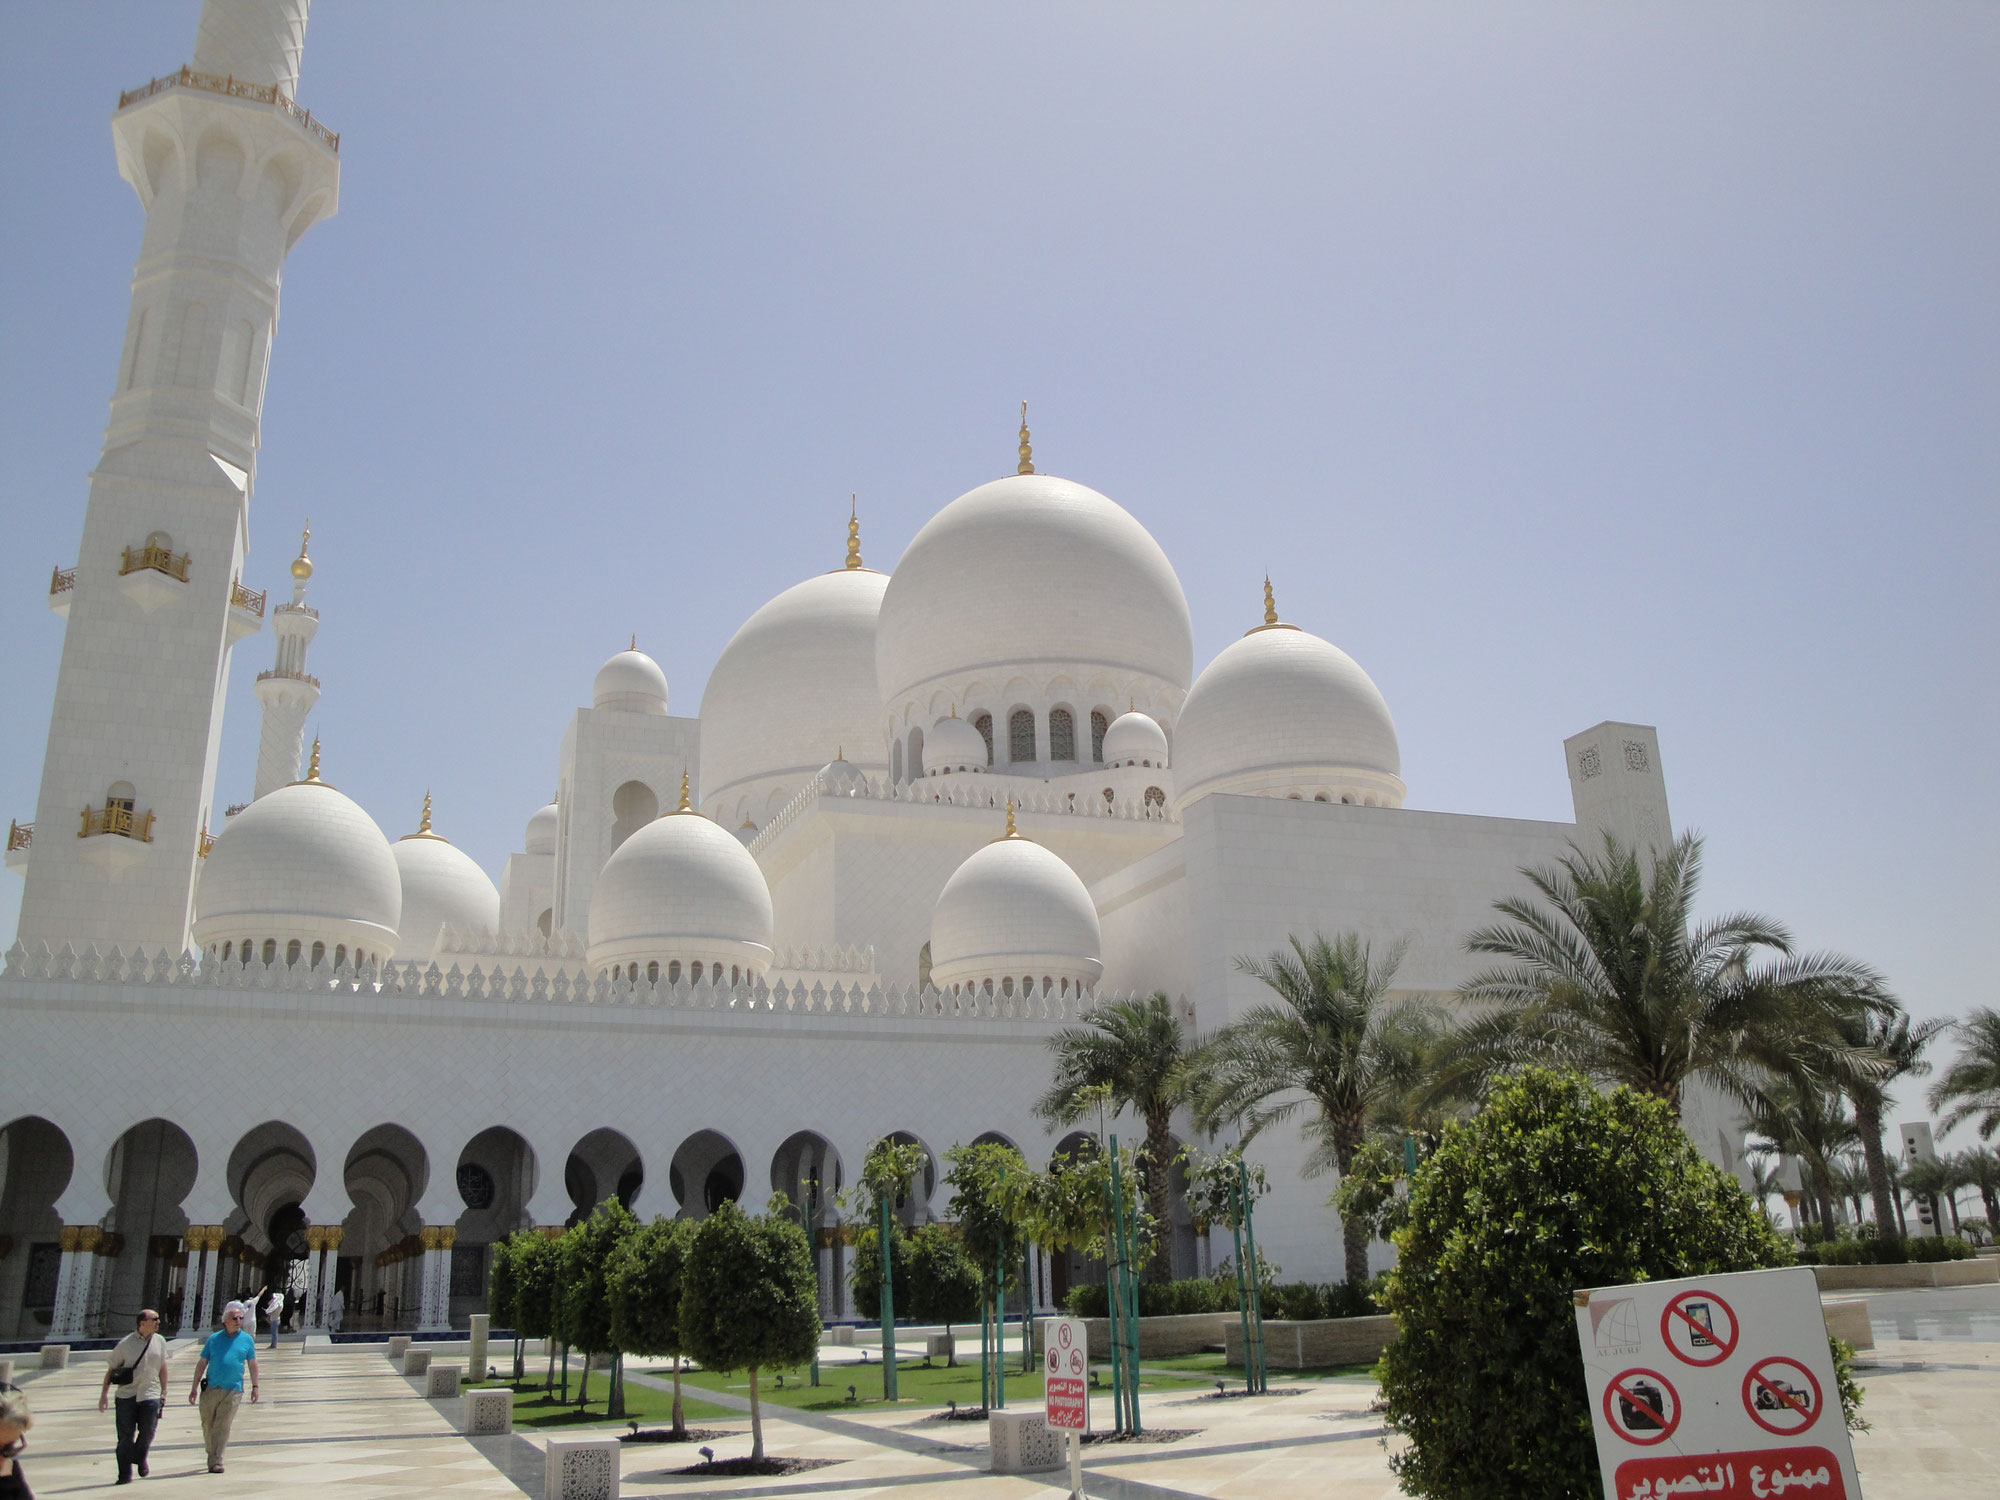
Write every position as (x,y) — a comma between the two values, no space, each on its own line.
(1066,1390)
(1718,1384)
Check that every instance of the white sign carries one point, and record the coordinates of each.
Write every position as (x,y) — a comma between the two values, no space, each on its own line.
(1066,1375)
(1717,1385)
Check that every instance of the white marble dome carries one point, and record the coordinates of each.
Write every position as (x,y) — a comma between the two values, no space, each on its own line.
(953,745)
(542,830)
(1135,739)
(842,778)
(631,682)
(1035,576)
(1282,713)
(442,886)
(794,686)
(678,893)
(1014,915)
(302,865)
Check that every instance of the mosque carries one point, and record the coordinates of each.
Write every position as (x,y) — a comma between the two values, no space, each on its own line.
(924,818)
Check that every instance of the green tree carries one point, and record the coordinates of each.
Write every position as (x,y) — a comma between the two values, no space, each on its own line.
(502,1290)
(1608,975)
(1899,1042)
(1137,1052)
(749,1299)
(1810,1125)
(1935,1183)
(1981,1169)
(645,1289)
(1552,1187)
(1971,1085)
(537,1260)
(864,1277)
(1334,1045)
(942,1280)
(583,1303)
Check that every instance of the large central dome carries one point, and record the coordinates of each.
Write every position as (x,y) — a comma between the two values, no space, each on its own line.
(1035,574)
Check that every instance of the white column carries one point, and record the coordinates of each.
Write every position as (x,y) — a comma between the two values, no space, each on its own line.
(63,1324)
(211,1274)
(436,1306)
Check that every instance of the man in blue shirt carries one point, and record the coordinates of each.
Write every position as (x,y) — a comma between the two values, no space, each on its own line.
(224,1357)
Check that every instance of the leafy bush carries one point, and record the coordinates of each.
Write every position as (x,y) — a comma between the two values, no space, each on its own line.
(942,1283)
(866,1276)
(1976,1230)
(1929,1249)
(1552,1187)
(1299,1300)
(1302,1300)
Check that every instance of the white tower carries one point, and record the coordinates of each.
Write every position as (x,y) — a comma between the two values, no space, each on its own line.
(231,173)
(288,692)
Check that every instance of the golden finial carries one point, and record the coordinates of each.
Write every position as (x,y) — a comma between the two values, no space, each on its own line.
(635,642)
(1131,705)
(312,765)
(840,752)
(302,567)
(1270,604)
(424,822)
(684,792)
(853,534)
(1027,464)
(1010,819)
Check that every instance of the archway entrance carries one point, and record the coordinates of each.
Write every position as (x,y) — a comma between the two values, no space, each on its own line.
(706,1172)
(380,1268)
(149,1172)
(35,1165)
(806,1169)
(604,1164)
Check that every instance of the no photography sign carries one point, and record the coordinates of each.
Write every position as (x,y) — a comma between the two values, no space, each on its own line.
(1718,1385)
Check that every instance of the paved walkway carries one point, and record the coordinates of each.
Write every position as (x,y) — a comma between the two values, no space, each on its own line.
(347,1424)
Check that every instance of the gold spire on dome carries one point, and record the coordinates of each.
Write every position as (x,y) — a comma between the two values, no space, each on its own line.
(684,793)
(302,567)
(635,642)
(312,765)
(1011,833)
(424,824)
(1027,464)
(1271,620)
(853,534)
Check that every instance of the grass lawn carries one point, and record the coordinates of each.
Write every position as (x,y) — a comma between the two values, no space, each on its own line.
(916,1385)
(1212,1366)
(534,1407)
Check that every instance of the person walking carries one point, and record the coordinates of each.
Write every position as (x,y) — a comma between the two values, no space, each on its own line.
(141,1360)
(218,1380)
(336,1310)
(15,1420)
(274,1316)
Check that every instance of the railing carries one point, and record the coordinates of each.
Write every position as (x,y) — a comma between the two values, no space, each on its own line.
(288,676)
(207,843)
(236,88)
(250,599)
(111,818)
(233,809)
(19,835)
(62,581)
(159,559)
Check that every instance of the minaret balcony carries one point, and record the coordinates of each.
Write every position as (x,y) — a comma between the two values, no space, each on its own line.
(19,837)
(62,584)
(153,575)
(235,88)
(116,836)
(246,612)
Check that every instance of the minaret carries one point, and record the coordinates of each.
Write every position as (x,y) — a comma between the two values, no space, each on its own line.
(288,692)
(230,172)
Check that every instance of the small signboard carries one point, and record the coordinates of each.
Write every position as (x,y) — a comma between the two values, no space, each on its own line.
(1716,1385)
(1066,1375)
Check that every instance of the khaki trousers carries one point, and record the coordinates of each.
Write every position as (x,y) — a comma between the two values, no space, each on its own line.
(218,1410)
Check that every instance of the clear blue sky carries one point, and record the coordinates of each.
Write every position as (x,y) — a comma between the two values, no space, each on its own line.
(1561,363)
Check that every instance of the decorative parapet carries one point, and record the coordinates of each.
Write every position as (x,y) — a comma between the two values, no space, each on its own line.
(62,581)
(19,835)
(288,676)
(235,88)
(123,821)
(985,791)
(159,559)
(502,984)
(247,599)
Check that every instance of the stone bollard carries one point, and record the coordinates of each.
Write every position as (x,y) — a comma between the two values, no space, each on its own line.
(6,1372)
(55,1357)
(581,1469)
(399,1346)
(475,1354)
(843,1336)
(1023,1442)
(444,1381)
(939,1346)
(1848,1322)
(416,1361)
(487,1412)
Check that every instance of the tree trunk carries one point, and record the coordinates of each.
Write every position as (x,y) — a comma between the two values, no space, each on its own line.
(680,1418)
(1354,1235)
(1902,1223)
(1825,1192)
(615,1405)
(1159,1150)
(1868,1121)
(583,1382)
(756,1419)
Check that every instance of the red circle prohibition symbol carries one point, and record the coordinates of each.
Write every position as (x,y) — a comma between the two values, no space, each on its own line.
(1062,1334)
(1774,1399)
(1692,1316)
(1642,1403)
(1076,1361)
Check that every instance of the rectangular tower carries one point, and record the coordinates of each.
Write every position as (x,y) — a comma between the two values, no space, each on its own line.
(1617,787)
(231,172)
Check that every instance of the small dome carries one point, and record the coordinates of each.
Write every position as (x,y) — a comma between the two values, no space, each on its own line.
(631,682)
(953,745)
(541,836)
(442,886)
(681,891)
(302,863)
(842,778)
(1282,713)
(1014,912)
(1135,739)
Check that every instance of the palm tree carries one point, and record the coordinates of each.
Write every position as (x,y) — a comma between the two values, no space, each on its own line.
(1972,1083)
(1981,1169)
(1808,1125)
(1885,1030)
(1851,1182)
(1762,1168)
(1934,1181)
(1608,976)
(1331,1043)
(1132,1052)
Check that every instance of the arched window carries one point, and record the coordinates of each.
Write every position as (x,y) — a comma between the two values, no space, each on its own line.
(1098,724)
(633,806)
(270,950)
(243,951)
(916,753)
(1320,797)
(924,967)
(673,971)
(340,955)
(225,951)
(694,971)
(735,974)
(1155,797)
(984,724)
(1062,734)
(896,761)
(319,954)
(653,970)
(1109,796)
(542,922)
(292,953)
(1021,736)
